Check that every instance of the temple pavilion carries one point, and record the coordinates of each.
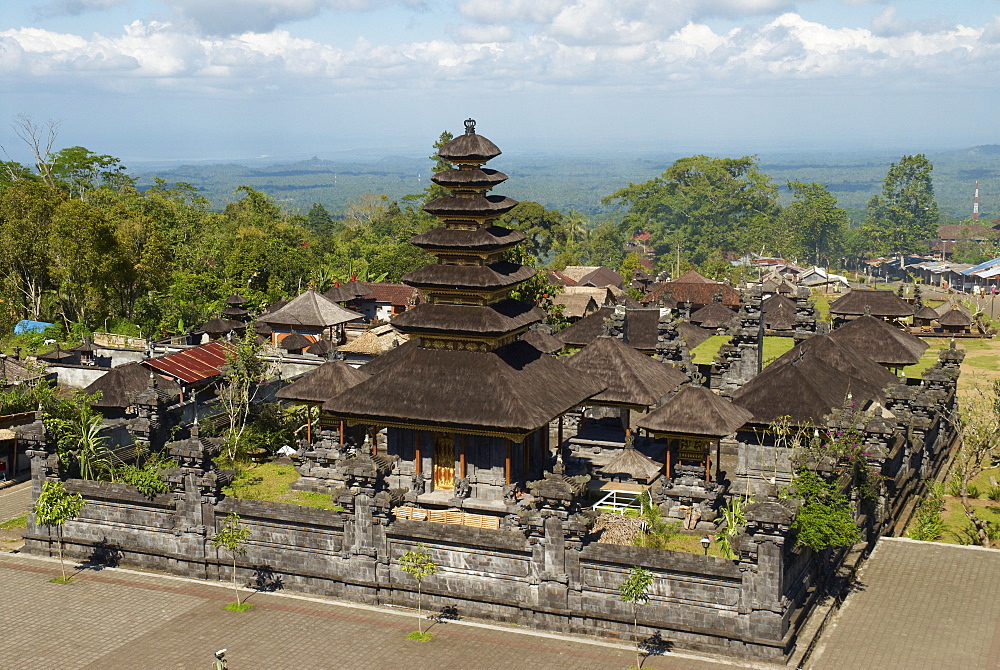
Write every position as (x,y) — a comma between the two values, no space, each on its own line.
(466,403)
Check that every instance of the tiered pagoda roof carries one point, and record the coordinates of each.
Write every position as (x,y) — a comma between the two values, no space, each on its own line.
(464,367)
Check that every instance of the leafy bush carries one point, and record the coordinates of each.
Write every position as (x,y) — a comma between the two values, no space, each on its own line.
(147,478)
(824,520)
(735,520)
(928,525)
(658,532)
(993,493)
(955,485)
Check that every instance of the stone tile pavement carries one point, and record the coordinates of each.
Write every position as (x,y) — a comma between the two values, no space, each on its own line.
(118,619)
(15,501)
(918,606)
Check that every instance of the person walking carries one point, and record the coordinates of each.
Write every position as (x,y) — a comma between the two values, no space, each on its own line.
(220,660)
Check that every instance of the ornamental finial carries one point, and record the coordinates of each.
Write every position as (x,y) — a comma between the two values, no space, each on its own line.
(470,126)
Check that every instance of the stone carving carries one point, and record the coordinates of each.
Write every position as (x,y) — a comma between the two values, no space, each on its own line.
(462,488)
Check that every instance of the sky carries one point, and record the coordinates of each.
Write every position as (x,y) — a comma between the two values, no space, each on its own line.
(187,80)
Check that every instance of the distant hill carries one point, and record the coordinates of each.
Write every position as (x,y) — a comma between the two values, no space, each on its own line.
(576,182)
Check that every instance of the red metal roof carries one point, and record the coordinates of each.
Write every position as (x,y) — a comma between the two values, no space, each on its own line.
(195,364)
(394,294)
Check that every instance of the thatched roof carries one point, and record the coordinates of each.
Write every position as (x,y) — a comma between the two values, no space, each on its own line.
(469,147)
(479,239)
(876,303)
(693,335)
(294,342)
(236,300)
(311,310)
(347,291)
(514,390)
(713,315)
(323,383)
(469,177)
(12,371)
(494,276)
(695,289)
(542,341)
(497,318)
(386,360)
(881,342)
(586,330)
(946,307)
(632,464)
(780,318)
(775,302)
(695,410)
(220,326)
(811,380)
(927,313)
(121,384)
(641,328)
(576,306)
(631,377)
(321,347)
(375,341)
(955,317)
(476,205)
(235,311)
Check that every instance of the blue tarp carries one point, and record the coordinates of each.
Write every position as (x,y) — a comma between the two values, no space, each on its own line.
(26,326)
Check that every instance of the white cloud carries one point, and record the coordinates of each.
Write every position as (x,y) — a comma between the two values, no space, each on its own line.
(634,55)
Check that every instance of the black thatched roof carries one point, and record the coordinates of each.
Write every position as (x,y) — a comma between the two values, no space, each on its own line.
(642,328)
(775,302)
(469,147)
(323,383)
(542,341)
(480,239)
(498,318)
(586,330)
(881,342)
(220,326)
(811,380)
(347,291)
(236,300)
(477,205)
(876,303)
(631,464)
(389,358)
(693,335)
(295,342)
(121,384)
(312,310)
(321,347)
(631,377)
(926,313)
(493,276)
(779,319)
(714,315)
(695,410)
(469,178)
(275,306)
(955,317)
(515,389)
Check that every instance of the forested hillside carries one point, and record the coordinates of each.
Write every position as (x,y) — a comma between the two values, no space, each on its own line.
(86,244)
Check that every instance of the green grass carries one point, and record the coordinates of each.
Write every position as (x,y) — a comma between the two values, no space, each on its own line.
(270,481)
(957,524)
(239,607)
(61,580)
(15,523)
(420,637)
(773,348)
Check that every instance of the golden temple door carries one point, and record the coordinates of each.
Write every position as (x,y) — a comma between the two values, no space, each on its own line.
(444,461)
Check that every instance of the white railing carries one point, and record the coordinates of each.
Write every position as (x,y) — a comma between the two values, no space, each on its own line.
(619,502)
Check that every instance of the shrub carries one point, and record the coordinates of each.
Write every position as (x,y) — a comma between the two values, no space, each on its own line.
(993,493)
(927,523)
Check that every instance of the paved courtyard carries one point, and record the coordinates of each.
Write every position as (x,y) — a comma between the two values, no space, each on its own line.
(918,606)
(119,619)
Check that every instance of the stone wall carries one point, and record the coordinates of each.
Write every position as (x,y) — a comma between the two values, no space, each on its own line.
(547,572)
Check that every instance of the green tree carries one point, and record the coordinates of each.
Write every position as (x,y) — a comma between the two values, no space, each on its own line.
(545,230)
(629,266)
(54,507)
(242,375)
(418,564)
(77,170)
(904,216)
(815,220)
(234,538)
(705,203)
(433,191)
(26,212)
(635,591)
(979,416)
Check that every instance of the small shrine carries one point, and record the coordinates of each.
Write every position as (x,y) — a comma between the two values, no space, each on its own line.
(692,423)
